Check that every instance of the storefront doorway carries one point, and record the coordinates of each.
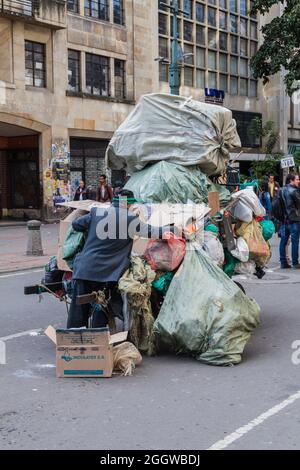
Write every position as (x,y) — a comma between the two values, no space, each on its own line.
(20,188)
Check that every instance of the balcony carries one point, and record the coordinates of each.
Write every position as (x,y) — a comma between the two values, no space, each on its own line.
(50,13)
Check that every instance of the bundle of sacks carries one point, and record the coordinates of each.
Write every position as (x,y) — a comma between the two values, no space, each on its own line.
(252,232)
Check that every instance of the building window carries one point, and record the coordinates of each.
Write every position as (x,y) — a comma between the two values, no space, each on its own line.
(223,4)
(211,16)
(35,64)
(212,80)
(200,35)
(163,48)
(223,20)
(97,9)
(97,75)
(223,83)
(244,47)
(73,5)
(188,31)
(200,57)
(189,76)
(243,7)
(234,44)
(200,13)
(120,91)
(200,79)
(233,23)
(188,8)
(73,70)
(188,49)
(244,27)
(163,72)
(243,122)
(162,24)
(223,41)
(212,38)
(119,17)
(243,87)
(223,63)
(244,67)
(233,85)
(212,60)
(253,89)
(233,65)
(233,5)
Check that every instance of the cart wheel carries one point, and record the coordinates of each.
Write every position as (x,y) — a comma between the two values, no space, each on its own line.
(240,286)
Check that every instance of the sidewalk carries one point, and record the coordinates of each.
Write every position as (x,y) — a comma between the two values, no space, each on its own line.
(13,243)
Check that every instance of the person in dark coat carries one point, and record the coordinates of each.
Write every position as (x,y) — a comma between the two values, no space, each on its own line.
(104,191)
(81,193)
(106,256)
(290,227)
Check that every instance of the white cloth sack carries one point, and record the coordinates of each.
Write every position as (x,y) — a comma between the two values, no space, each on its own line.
(214,248)
(248,198)
(241,252)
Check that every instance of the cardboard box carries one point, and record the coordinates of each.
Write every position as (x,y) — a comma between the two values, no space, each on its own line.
(214,202)
(84,352)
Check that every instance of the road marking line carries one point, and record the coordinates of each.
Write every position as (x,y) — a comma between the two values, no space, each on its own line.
(22,273)
(23,333)
(222,444)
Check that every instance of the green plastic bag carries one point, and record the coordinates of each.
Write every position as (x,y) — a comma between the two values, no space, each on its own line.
(163,283)
(73,244)
(205,314)
(230,264)
(211,228)
(268,229)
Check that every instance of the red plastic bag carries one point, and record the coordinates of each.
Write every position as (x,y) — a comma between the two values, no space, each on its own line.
(166,254)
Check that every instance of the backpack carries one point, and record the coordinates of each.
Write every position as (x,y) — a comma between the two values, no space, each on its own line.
(278,208)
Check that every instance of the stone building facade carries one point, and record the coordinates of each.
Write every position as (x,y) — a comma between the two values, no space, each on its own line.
(71,71)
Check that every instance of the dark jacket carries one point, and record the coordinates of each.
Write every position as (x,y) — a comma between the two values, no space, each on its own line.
(291,198)
(105,259)
(84,194)
(108,194)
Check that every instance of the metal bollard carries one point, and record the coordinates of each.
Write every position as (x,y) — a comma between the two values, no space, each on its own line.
(34,243)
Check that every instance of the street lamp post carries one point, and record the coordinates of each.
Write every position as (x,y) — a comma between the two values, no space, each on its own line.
(175,66)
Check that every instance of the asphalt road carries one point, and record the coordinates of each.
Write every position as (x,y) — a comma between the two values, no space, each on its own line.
(170,403)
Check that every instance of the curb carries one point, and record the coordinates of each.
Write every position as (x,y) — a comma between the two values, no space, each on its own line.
(15,271)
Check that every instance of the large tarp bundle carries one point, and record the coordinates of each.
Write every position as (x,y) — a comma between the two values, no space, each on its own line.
(167,182)
(205,314)
(172,128)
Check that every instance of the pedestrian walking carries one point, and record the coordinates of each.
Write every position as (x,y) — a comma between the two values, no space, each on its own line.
(290,196)
(104,191)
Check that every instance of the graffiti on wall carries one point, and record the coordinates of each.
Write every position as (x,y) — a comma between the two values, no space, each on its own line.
(60,172)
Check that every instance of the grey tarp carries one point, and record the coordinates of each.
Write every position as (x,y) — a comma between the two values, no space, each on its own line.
(167,182)
(205,314)
(172,128)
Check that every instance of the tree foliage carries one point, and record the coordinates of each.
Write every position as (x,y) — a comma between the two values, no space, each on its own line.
(269,135)
(281,46)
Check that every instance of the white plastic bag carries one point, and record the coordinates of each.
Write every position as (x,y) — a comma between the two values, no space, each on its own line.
(242,212)
(249,198)
(245,268)
(214,248)
(241,250)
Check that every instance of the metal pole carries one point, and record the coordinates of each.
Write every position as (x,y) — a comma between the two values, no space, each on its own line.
(175,70)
